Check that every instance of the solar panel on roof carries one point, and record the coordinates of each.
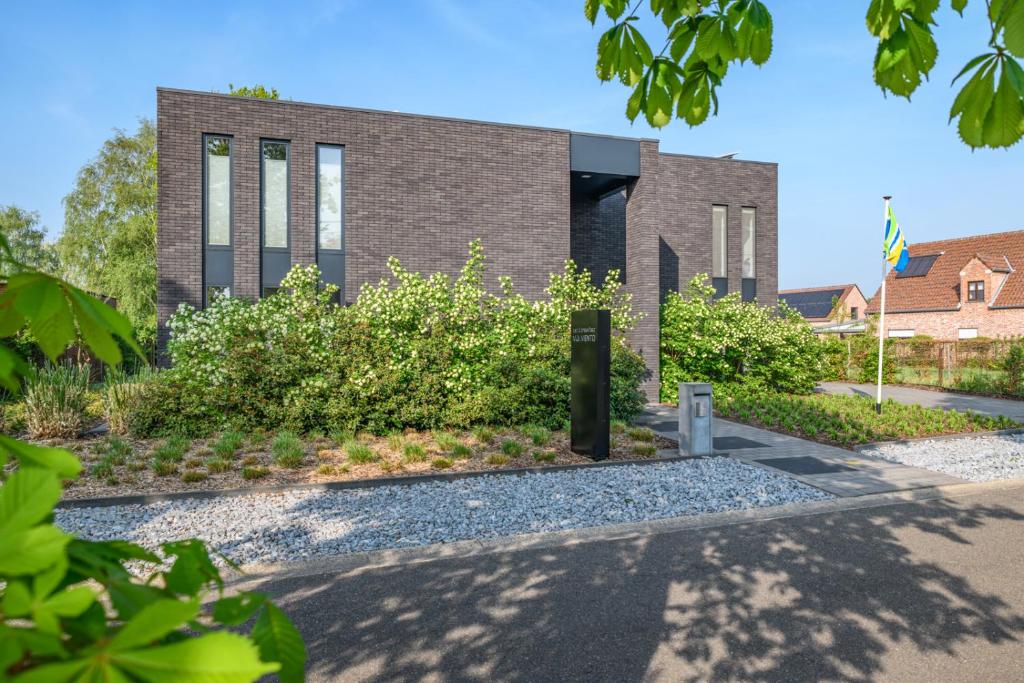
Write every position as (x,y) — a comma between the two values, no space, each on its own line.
(918,266)
(812,304)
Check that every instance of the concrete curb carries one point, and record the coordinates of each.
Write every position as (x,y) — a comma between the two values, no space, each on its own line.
(408,480)
(253,576)
(941,437)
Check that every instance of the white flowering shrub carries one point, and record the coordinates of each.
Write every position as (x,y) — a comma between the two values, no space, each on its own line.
(726,340)
(411,351)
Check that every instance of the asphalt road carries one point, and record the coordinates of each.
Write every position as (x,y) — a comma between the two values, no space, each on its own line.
(926,591)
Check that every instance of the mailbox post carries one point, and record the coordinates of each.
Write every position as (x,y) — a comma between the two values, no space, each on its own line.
(695,406)
(591,359)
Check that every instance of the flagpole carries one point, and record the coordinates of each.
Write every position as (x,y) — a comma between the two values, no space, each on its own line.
(881,323)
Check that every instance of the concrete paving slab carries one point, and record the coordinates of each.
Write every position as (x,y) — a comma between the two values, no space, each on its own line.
(865,474)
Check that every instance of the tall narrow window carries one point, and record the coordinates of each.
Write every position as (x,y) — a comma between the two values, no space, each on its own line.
(330,215)
(330,207)
(218,253)
(749,216)
(719,242)
(275,195)
(218,191)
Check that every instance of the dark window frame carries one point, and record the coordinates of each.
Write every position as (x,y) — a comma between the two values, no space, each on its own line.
(725,241)
(287,191)
(327,145)
(206,191)
(976,290)
(753,241)
(206,246)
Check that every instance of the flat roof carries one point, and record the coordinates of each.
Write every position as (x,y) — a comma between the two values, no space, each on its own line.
(435,117)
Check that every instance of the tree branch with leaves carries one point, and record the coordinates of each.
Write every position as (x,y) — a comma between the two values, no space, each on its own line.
(702,38)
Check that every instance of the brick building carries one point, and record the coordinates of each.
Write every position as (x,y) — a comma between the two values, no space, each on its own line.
(958,289)
(825,306)
(249,187)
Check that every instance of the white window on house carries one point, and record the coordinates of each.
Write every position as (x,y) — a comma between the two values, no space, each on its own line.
(967,333)
(749,216)
(854,313)
(719,241)
(901,333)
(275,195)
(330,204)
(218,191)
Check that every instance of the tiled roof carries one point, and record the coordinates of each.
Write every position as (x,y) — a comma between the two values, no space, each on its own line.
(939,288)
(814,303)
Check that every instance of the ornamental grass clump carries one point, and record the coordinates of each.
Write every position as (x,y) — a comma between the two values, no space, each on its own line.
(55,401)
(540,436)
(414,452)
(511,448)
(172,449)
(288,450)
(360,454)
(446,441)
(640,434)
(228,444)
(483,434)
(114,448)
(122,394)
(255,472)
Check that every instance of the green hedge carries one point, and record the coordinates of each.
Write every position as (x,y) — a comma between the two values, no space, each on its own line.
(726,340)
(413,351)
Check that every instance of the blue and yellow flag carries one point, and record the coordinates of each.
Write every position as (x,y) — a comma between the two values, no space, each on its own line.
(895,247)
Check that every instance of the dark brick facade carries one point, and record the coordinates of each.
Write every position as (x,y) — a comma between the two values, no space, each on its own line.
(421,188)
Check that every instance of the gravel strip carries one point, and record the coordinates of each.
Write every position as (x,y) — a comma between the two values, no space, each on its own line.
(299,525)
(974,458)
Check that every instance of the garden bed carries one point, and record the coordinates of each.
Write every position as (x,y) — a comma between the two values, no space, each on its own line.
(116,466)
(850,420)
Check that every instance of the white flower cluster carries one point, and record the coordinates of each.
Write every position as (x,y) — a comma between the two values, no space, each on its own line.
(472,323)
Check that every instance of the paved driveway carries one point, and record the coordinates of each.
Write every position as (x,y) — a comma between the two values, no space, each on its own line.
(932,399)
(922,591)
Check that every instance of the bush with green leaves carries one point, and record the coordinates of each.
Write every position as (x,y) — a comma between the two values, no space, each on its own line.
(1013,365)
(412,351)
(704,339)
(55,400)
(76,610)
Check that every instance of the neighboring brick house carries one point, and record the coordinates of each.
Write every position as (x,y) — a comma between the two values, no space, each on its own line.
(958,289)
(826,306)
(249,188)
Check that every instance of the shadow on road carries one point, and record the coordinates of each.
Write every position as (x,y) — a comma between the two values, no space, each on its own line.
(822,597)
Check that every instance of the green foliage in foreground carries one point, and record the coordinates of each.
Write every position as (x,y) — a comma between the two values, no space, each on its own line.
(702,39)
(421,352)
(704,339)
(70,610)
(846,420)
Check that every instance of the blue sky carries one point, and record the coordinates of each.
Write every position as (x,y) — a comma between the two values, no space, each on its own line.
(72,72)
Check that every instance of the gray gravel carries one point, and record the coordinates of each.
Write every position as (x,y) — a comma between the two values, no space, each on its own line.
(264,527)
(974,458)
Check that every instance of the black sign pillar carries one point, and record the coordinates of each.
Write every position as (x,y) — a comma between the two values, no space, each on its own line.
(591,359)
